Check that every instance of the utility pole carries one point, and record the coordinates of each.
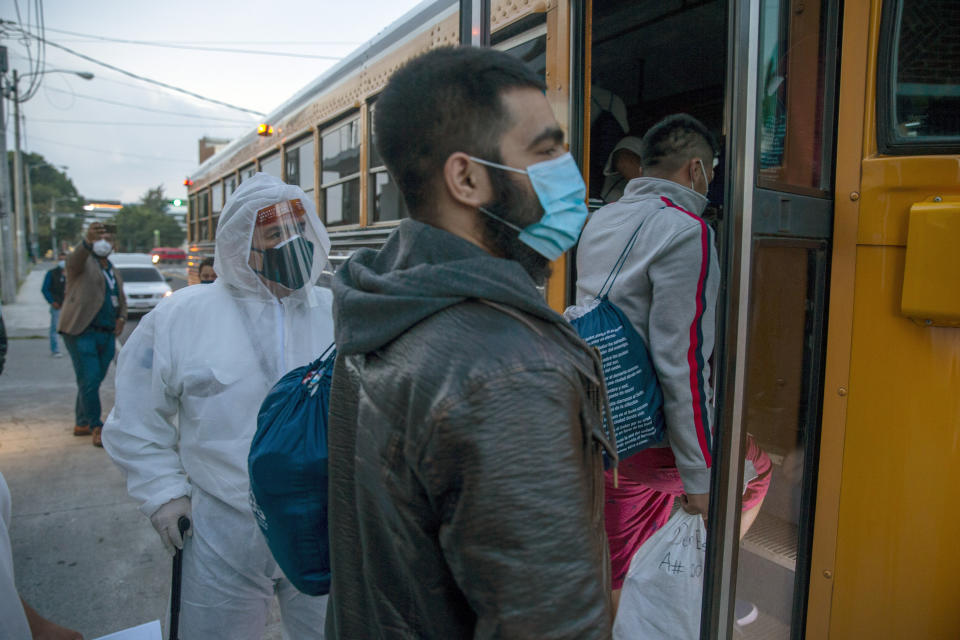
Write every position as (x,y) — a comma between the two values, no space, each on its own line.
(9,279)
(53,226)
(17,180)
(32,218)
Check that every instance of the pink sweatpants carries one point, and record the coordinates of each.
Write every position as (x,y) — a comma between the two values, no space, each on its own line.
(648,484)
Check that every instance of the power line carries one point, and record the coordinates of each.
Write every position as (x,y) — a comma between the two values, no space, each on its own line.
(254,43)
(134,75)
(248,42)
(140,124)
(173,45)
(111,152)
(103,78)
(41,52)
(142,108)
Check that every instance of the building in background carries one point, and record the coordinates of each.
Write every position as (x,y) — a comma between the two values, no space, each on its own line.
(208,146)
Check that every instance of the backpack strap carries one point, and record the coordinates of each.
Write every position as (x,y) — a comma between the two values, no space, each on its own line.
(618,265)
(323,356)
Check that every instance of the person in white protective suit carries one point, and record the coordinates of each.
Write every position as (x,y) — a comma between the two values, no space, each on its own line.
(190,382)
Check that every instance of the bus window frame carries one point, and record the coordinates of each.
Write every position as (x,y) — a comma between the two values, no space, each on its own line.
(348,118)
(888,143)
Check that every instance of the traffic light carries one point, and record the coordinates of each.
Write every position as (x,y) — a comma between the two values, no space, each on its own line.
(187,182)
(264,130)
(177,202)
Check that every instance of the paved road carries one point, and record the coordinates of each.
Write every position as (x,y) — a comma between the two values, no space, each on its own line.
(84,555)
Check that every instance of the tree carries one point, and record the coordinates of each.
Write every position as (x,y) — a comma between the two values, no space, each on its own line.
(52,190)
(137,224)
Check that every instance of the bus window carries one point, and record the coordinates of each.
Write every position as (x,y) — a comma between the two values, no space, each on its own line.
(191,219)
(203,217)
(271,165)
(918,102)
(386,201)
(340,173)
(216,192)
(216,204)
(790,94)
(531,47)
(247,172)
(299,165)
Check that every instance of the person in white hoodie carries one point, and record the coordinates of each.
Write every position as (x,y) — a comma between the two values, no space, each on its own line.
(668,289)
(190,382)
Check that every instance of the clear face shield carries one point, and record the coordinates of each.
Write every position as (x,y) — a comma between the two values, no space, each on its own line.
(283,248)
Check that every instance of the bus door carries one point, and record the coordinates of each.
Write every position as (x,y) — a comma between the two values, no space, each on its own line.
(761,75)
(777,238)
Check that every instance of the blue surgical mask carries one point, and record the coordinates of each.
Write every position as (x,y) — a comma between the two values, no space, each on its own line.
(562,194)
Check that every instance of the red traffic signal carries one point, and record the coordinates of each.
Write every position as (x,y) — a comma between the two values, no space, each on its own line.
(264,130)
(187,182)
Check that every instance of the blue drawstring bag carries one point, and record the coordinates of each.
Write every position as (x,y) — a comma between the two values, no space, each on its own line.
(636,401)
(288,474)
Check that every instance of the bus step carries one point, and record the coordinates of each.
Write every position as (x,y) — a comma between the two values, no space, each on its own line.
(773,539)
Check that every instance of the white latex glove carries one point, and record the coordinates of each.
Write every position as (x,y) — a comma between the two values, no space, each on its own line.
(164,520)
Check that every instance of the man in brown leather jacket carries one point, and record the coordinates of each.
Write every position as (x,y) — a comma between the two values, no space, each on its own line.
(93,314)
(466,434)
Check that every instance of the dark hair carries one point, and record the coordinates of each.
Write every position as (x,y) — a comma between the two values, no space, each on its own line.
(206,262)
(447,100)
(675,140)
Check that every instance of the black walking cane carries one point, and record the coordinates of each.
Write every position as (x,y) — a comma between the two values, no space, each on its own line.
(182,524)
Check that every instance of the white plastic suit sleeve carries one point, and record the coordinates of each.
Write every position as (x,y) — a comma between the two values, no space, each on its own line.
(141,432)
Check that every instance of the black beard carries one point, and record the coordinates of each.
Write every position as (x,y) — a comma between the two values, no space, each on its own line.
(517,205)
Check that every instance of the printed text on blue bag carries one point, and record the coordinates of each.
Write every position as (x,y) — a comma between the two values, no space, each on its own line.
(628,404)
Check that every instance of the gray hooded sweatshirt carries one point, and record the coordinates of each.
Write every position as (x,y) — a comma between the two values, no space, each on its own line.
(668,289)
(466,485)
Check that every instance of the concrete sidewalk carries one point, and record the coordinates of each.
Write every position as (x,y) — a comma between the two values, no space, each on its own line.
(29,316)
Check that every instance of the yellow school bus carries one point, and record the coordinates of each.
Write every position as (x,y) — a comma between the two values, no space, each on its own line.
(837,206)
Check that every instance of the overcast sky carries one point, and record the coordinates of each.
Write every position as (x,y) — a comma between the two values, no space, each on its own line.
(117,152)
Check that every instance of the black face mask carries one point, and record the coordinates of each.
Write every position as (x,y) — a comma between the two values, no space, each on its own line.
(289,265)
(207,281)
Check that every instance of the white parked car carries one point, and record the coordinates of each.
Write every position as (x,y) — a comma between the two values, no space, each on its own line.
(143,284)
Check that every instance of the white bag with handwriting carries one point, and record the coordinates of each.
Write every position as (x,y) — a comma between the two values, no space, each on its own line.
(663,589)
